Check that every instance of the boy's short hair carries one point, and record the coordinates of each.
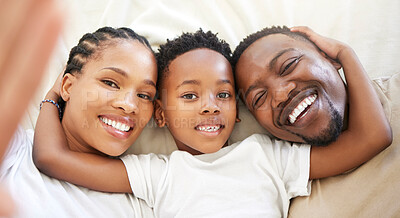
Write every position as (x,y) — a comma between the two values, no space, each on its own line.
(184,43)
(250,39)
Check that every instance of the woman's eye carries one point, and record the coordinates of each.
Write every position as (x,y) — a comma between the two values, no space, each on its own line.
(189,96)
(144,96)
(223,95)
(110,83)
(259,99)
(289,67)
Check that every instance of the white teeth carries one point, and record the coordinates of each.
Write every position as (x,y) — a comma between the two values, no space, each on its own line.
(115,124)
(209,128)
(301,106)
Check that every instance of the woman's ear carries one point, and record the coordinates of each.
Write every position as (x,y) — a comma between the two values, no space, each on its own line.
(159,113)
(66,85)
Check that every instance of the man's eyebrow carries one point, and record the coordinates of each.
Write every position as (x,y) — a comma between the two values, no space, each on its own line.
(194,82)
(273,61)
(255,85)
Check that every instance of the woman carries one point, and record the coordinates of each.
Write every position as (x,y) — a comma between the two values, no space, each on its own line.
(108,87)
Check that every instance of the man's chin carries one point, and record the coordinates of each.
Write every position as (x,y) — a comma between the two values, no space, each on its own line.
(329,134)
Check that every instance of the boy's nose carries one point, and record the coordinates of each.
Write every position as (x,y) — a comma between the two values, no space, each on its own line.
(210,106)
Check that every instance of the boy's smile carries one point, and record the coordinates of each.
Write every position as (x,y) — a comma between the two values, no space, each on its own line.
(198,101)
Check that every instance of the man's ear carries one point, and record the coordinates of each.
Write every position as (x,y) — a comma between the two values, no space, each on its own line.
(159,113)
(335,64)
(66,86)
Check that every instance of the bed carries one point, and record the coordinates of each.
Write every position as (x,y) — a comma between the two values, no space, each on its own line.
(370,27)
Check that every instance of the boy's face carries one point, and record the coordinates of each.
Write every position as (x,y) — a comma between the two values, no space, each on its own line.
(198,100)
(293,91)
(111,101)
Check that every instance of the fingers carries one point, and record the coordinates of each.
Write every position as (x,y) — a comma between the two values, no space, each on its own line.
(7,206)
(306,31)
(24,62)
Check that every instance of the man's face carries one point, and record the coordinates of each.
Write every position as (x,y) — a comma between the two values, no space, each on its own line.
(292,89)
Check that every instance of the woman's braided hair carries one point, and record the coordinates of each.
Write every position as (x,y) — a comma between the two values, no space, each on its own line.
(91,43)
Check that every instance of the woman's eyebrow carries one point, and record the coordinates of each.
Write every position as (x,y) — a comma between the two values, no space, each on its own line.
(117,70)
(272,63)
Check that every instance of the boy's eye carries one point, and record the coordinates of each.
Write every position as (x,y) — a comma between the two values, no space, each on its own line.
(189,96)
(223,95)
(110,83)
(289,66)
(144,96)
(259,99)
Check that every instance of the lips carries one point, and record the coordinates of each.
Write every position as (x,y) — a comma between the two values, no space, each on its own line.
(298,107)
(302,108)
(117,126)
(210,128)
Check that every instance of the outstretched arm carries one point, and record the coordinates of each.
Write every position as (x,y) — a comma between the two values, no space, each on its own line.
(53,157)
(368,131)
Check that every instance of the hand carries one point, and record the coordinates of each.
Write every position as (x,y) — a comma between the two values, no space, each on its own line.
(330,47)
(54,92)
(29,30)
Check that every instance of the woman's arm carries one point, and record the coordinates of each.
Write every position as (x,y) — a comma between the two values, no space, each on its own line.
(368,131)
(53,157)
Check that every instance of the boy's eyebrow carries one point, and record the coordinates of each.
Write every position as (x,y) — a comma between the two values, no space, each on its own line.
(224,81)
(273,61)
(194,82)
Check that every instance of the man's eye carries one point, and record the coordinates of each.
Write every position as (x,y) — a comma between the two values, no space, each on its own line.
(223,95)
(110,83)
(144,96)
(259,99)
(189,96)
(289,67)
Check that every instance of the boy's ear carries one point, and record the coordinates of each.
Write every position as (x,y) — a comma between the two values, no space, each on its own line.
(335,64)
(66,85)
(237,113)
(159,113)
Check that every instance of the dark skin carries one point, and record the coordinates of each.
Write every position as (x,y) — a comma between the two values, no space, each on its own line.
(88,169)
(272,89)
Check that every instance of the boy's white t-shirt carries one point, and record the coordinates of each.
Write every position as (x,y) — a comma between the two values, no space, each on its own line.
(253,178)
(37,195)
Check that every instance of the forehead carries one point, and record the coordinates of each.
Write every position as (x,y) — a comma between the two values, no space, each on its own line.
(200,63)
(264,49)
(254,62)
(129,55)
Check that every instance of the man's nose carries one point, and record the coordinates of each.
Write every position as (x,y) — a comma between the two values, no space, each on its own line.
(281,92)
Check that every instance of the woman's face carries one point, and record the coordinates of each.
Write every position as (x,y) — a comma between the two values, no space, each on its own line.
(110,102)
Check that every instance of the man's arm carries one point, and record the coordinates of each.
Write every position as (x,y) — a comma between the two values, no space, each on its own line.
(52,156)
(368,131)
